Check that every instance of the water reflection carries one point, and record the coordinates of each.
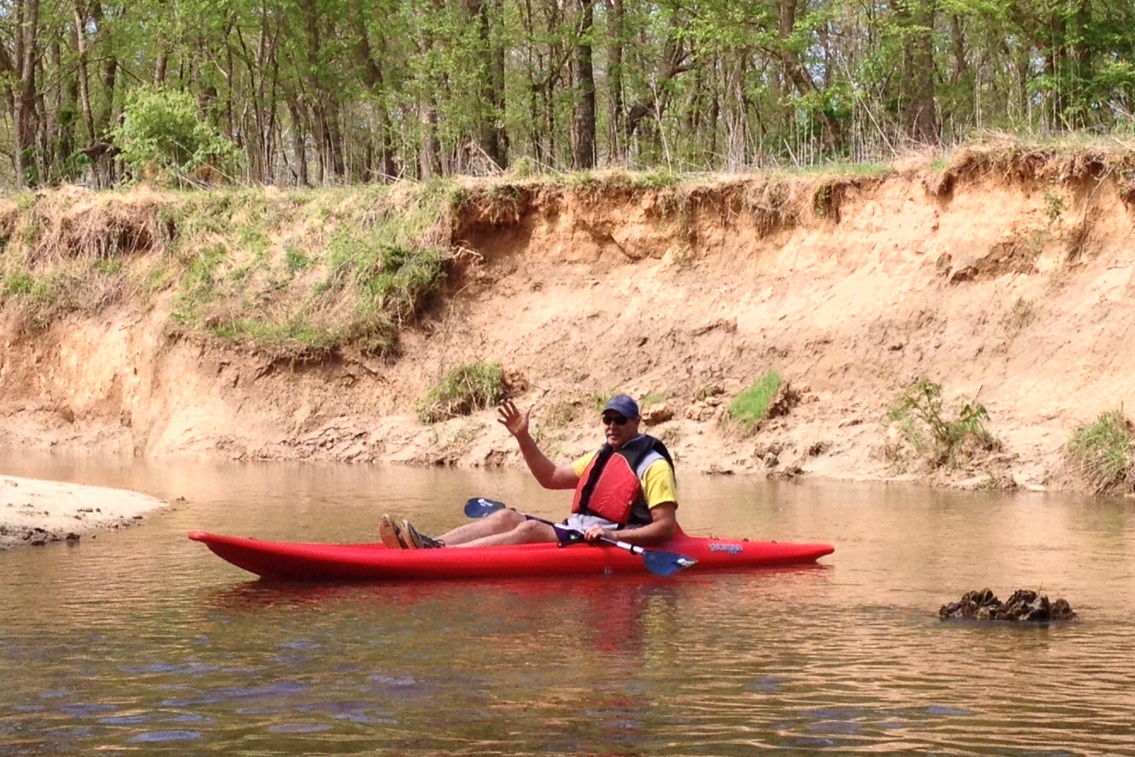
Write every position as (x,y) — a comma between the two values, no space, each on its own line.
(142,640)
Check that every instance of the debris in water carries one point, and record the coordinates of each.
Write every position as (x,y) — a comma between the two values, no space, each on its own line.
(1024,605)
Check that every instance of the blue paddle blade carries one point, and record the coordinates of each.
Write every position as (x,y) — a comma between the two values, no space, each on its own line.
(665,563)
(479,507)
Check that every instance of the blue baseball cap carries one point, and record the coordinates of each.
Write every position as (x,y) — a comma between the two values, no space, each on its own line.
(623,404)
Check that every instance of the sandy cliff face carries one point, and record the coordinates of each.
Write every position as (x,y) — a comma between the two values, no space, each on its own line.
(1011,287)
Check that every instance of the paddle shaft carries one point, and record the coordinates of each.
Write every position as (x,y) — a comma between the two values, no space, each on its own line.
(632,548)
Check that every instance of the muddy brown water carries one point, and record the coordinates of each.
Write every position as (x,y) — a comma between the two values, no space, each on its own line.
(142,641)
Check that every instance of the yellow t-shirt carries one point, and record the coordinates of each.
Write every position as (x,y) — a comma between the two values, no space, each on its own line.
(658,484)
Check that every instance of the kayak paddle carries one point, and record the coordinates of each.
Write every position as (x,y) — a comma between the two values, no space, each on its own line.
(657,561)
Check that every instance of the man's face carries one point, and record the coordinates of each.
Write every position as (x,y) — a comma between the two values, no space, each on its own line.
(618,428)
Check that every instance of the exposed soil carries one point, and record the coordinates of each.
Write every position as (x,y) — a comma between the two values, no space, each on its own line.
(1005,280)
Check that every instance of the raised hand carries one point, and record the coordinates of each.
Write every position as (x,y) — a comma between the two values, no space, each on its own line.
(513,419)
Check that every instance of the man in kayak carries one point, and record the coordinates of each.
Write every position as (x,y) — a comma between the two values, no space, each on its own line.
(625,490)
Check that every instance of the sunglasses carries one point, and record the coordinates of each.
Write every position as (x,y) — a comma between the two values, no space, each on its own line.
(618,420)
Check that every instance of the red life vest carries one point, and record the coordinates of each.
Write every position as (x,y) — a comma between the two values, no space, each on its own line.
(610,486)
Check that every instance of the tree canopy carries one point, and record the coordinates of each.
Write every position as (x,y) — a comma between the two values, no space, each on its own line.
(329,92)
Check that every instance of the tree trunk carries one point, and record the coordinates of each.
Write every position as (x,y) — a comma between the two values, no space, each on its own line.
(491,111)
(81,73)
(615,80)
(675,61)
(497,96)
(584,154)
(919,116)
(20,66)
(429,155)
(373,79)
(299,143)
(798,74)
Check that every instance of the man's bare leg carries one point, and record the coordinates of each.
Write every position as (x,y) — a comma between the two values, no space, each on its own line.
(500,522)
(527,532)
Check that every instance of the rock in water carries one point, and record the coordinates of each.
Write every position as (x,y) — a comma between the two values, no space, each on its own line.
(1023,605)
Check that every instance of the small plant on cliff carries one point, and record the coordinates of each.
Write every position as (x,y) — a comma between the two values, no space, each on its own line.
(922,421)
(1103,452)
(1020,315)
(751,406)
(463,390)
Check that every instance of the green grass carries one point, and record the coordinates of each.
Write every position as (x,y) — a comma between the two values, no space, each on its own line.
(463,390)
(751,406)
(350,269)
(1103,452)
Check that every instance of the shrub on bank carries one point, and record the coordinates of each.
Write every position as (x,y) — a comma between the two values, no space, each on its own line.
(1103,452)
(941,439)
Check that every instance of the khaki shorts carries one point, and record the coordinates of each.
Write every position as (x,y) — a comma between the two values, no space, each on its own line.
(581,522)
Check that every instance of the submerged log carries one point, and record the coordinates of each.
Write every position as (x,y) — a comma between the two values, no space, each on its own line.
(1024,605)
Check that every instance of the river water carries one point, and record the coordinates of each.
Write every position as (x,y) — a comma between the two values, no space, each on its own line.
(141,641)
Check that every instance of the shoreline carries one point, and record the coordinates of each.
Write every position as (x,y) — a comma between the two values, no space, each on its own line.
(34,512)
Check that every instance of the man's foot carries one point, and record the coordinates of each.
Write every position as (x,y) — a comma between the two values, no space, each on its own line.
(391,534)
(416,540)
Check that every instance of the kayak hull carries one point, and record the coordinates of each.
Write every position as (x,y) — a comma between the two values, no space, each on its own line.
(314,562)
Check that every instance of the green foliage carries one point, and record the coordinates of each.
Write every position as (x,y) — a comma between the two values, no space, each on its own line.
(751,406)
(42,296)
(296,260)
(1053,206)
(317,92)
(293,274)
(1103,452)
(370,261)
(463,390)
(524,168)
(924,423)
(162,132)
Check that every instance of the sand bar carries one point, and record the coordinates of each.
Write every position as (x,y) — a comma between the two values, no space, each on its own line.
(36,512)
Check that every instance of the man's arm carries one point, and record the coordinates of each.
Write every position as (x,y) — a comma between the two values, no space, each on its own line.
(663,524)
(547,473)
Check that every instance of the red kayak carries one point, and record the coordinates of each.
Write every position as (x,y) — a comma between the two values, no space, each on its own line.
(295,561)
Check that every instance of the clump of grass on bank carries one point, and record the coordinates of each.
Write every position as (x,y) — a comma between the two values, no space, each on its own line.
(290,273)
(335,269)
(1103,452)
(751,406)
(939,438)
(60,256)
(464,390)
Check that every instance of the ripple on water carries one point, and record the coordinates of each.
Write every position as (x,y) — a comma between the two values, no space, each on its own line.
(161,737)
